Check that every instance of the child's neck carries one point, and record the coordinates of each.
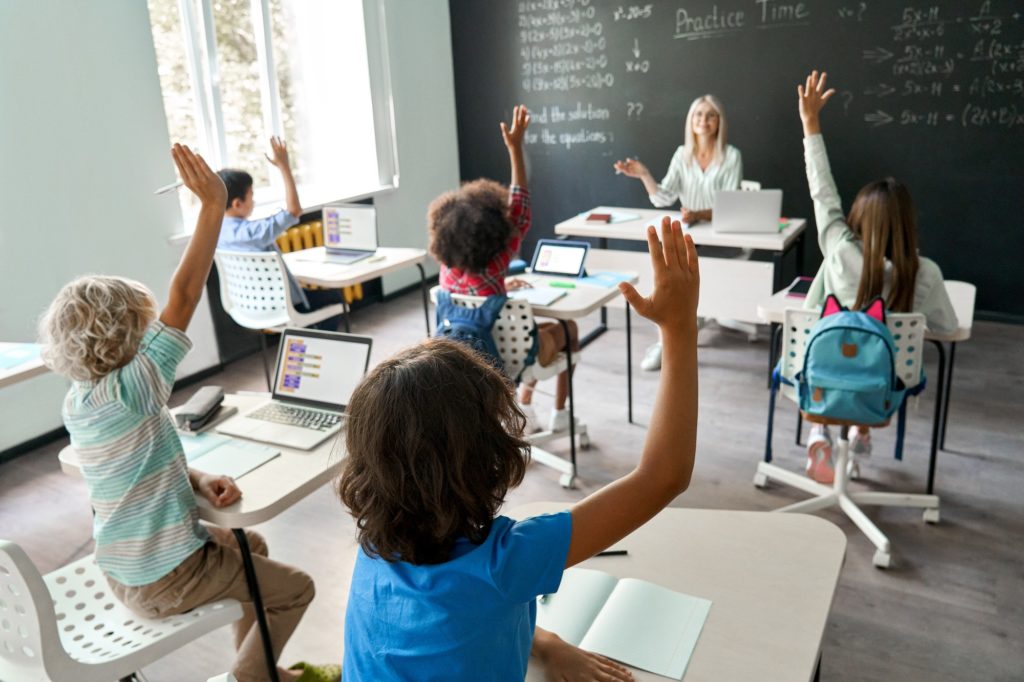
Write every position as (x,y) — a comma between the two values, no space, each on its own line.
(235,213)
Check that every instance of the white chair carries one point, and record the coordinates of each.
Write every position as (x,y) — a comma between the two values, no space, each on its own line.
(254,291)
(68,627)
(512,335)
(908,332)
(750,185)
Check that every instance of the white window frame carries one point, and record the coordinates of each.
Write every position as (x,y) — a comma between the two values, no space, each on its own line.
(201,51)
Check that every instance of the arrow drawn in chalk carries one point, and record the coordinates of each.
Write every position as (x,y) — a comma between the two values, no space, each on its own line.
(880,90)
(877,56)
(636,48)
(879,118)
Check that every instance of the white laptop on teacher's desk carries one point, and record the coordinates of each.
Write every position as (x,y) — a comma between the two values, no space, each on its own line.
(744,211)
(315,376)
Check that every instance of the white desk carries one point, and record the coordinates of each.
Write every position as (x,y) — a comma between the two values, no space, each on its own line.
(961,295)
(770,577)
(266,492)
(778,243)
(20,372)
(310,266)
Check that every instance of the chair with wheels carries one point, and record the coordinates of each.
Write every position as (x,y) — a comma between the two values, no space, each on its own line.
(514,337)
(908,332)
(255,293)
(68,627)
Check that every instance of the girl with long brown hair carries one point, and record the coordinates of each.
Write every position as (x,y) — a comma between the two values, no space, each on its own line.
(871,252)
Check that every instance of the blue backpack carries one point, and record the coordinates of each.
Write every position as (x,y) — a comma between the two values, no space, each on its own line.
(849,371)
(471,326)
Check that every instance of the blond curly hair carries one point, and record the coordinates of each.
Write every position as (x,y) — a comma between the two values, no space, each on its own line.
(95,325)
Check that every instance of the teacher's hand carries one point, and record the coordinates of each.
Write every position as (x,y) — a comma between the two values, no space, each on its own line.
(632,168)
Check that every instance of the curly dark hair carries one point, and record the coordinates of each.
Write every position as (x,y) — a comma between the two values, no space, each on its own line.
(434,441)
(470,226)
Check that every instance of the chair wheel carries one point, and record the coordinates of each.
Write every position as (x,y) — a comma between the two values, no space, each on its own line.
(760,480)
(567,481)
(584,441)
(882,559)
(931,515)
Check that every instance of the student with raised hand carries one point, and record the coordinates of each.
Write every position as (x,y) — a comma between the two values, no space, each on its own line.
(105,334)
(704,164)
(445,588)
(870,252)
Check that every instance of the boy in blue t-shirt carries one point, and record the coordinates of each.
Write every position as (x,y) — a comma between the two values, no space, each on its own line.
(443,587)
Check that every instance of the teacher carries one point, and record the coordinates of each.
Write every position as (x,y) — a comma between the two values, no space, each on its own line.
(703,165)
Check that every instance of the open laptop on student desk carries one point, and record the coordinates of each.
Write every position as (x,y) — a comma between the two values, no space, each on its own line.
(315,375)
(744,211)
(350,233)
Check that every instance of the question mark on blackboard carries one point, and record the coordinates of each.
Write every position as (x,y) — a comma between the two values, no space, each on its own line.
(863,8)
(847,98)
(633,109)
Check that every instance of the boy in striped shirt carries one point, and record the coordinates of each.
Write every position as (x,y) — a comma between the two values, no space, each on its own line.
(103,333)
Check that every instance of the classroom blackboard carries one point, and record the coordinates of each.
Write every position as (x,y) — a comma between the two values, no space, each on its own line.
(931,93)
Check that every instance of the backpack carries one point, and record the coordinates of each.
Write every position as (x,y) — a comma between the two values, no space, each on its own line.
(471,326)
(849,371)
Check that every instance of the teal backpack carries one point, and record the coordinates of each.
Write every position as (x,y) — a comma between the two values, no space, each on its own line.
(849,371)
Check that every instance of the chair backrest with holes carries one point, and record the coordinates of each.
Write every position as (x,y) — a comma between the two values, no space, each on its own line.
(253,288)
(28,624)
(907,330)
(514,332)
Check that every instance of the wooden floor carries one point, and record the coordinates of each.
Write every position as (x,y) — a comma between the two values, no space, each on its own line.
(952,608)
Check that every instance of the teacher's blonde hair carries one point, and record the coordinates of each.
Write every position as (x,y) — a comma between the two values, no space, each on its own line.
(690,139)
(95,325)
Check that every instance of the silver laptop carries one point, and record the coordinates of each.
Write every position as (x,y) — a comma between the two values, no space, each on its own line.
(315,376)
(350,233)
(744,211)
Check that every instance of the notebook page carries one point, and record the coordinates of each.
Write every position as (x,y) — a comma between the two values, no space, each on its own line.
(648,627)
(570,611)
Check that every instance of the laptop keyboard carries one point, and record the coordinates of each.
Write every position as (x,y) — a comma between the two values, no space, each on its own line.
(297,416)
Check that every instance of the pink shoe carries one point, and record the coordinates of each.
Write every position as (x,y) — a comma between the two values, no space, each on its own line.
(819,457)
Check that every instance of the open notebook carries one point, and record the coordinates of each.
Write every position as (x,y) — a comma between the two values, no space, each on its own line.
(220,455)
(633,621)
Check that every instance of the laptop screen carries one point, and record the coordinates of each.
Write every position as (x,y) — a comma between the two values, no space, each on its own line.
(350,227)
(559,257)
(320,369)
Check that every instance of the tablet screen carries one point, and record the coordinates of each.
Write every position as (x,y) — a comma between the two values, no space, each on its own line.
(556,257)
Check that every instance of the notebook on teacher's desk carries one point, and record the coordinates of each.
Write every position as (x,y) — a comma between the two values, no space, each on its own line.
(632,621)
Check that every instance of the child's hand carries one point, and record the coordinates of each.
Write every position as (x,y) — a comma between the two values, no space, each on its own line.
(197,176)
(515,284)
(220,491)
(520,120)
(564,662)
(812,99)
(673,303)
(279,154)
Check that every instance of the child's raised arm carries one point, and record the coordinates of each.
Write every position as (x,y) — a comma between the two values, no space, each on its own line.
(281,162)
(665,467)
(513,137)
(189,279)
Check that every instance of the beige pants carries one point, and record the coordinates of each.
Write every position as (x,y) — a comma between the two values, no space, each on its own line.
(216,572)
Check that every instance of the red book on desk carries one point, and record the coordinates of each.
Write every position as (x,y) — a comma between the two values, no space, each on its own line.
(599,218)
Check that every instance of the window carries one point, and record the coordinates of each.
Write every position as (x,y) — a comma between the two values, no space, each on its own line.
(235,72)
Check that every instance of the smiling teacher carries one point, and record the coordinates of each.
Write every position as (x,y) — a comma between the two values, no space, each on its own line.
(703,165)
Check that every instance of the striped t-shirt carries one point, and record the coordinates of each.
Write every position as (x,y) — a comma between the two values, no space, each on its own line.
(146,521)
(695,188)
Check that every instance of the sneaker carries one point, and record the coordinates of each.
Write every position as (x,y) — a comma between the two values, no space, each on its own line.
(652,358)
(819,456)
(559,420)
(532,426)
(860,443)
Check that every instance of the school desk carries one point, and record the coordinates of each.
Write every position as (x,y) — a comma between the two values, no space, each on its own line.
(961,295)
(310,266)
(771,579)
(266,492)
(33,366)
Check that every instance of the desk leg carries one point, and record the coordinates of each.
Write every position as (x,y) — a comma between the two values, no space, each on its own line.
(777,259)
(937,419)
(775,339)
(817,670)
(348,313)
(257,601)
(426,303)
(945,401)
(602,243)
(572,402)
(263,357)
(629,364)
(799,426)
(800,252)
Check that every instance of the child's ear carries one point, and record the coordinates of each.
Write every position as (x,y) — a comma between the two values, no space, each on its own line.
(832,306)
(876,309)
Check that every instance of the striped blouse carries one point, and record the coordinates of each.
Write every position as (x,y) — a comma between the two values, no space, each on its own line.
(145,517)
(695,188)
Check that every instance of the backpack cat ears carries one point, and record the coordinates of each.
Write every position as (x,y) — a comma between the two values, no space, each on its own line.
(874,310)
